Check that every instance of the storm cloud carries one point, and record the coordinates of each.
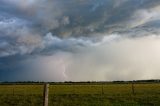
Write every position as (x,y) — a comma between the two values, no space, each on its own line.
(82,40)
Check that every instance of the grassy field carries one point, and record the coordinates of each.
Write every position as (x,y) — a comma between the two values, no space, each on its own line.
(81,95)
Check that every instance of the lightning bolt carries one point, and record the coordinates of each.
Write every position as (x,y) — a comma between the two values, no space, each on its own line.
(63,64)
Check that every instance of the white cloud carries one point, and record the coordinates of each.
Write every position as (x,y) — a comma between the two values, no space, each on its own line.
(142,16)
(125,59)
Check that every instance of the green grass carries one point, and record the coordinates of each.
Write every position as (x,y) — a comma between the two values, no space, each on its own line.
(81,95)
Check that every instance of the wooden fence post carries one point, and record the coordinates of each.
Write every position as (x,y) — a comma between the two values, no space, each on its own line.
(102,90)
(45,94)
(133,92)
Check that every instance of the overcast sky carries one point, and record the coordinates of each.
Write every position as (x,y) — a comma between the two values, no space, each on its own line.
(79,40)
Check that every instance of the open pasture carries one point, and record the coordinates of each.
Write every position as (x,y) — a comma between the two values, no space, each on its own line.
(82,95)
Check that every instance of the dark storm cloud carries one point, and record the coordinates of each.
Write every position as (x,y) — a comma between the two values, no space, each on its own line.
(23,24)
(79,18)
(63,33)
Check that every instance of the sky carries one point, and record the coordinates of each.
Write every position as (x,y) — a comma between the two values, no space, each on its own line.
(79,40)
